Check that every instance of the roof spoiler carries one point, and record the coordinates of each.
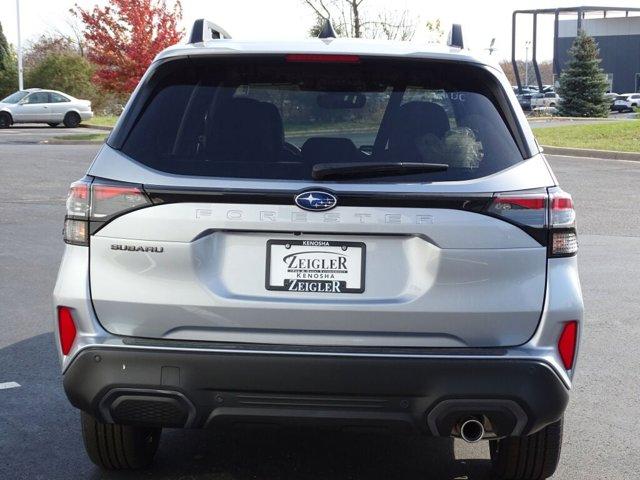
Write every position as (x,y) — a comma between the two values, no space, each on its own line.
(205,31)
(455,36)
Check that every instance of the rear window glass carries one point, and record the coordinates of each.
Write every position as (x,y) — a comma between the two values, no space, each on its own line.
(267,118)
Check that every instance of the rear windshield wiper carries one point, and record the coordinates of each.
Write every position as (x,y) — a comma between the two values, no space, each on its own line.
(341,171)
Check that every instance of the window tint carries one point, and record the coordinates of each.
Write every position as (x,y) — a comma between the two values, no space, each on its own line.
(272,119)
(38,97)
(57,98)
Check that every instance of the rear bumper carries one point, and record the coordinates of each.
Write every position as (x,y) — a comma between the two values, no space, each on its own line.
(207,389)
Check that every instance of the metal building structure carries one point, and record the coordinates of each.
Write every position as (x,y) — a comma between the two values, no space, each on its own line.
(562,40)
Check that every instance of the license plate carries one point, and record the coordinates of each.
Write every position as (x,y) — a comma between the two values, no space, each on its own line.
(315,266)
(619,102)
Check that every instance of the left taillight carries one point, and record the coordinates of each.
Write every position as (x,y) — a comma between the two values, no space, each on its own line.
(76,222)
(66,329)
(91,204)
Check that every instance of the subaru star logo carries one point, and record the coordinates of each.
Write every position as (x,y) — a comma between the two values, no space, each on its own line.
(315,200)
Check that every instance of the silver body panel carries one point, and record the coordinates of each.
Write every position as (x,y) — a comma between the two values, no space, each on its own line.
(563,301)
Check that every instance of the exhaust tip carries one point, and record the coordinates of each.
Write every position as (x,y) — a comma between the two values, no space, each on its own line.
(472,430)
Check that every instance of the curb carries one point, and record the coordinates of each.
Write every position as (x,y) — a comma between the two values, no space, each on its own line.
(71,142)
(97,127)
(574,119)
(583,152)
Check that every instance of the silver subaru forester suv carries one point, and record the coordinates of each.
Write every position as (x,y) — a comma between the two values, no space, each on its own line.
(328,232)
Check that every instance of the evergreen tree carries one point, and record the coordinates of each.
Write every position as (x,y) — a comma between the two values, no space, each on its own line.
(583,83)
(5,55)
(8,67)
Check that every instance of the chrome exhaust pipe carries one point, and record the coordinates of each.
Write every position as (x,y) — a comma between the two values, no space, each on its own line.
(471,430)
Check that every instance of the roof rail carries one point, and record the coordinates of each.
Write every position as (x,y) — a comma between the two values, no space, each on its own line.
(455,36)
(204,31)
(327,30)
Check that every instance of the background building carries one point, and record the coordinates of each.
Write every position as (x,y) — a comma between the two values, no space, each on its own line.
(619,41)
(615,29)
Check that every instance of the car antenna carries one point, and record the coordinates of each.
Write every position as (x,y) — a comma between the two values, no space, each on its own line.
(455,36)
(327,30)
(205,31)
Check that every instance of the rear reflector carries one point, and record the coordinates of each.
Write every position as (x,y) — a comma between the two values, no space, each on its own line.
(66,328)
(322,58)
(567,344)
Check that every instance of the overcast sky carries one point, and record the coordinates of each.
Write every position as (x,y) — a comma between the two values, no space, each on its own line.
(290,19)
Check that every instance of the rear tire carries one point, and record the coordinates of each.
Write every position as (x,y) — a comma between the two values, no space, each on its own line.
(119,447)
(53,125)
(533,457)
(71,120)
(5,120)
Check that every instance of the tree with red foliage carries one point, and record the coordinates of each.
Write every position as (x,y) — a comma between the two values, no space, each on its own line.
(124,37)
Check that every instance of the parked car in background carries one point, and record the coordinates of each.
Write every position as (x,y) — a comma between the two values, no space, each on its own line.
(611,96)
(525,101)
(622,103)
(548,99)
(35,105)
(634,99)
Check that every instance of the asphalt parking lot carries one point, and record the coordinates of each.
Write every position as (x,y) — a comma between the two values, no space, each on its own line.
(40,431)
(28,134)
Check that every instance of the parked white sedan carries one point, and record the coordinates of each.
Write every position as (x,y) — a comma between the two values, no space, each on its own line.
(43,106)
(547,99)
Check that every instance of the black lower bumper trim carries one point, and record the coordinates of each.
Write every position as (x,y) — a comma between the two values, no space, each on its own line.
(203,389)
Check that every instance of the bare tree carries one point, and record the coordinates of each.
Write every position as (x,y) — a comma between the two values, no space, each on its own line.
(396,25)
(546,71)
(435,30)
(349,18)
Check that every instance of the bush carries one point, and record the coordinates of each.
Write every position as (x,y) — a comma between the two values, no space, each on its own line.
(9,77)
(67,72)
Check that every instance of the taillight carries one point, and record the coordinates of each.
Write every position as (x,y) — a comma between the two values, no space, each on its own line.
(92,204)
(567,344)
(76,222)
(562,219)
(109,200)
(548,216)
(66,329)
(529,209)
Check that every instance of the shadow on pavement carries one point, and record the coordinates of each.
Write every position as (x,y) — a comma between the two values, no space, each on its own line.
(40,438)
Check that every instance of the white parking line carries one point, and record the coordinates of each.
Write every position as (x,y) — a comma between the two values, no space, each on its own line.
(7,385)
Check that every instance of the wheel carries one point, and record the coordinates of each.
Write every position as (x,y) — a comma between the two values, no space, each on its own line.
(53,124)
(5,120)
(118,447)
(527,458)
(71,120)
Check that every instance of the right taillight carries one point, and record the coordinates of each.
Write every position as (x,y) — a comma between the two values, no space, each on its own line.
(563,238)
(91,204)
(548,216)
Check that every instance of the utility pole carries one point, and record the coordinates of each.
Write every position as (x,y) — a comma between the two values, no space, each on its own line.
(526,62)
(20,79)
